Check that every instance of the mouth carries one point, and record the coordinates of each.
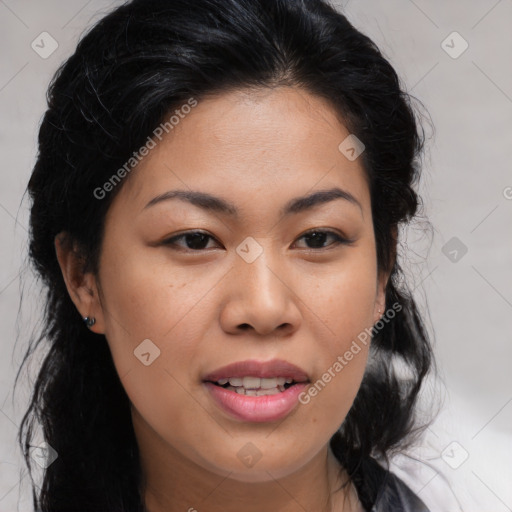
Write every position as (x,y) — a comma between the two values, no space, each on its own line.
(256,386)
(275,368)
(257,391)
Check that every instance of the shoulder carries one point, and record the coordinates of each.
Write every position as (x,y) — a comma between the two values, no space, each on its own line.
(381,491)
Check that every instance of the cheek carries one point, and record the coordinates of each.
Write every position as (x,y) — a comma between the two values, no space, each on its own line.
(343,305)
(344,300)
(152,321)
(146,297)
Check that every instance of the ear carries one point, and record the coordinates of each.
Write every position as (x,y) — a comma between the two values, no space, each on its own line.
(382,280)
(81,285)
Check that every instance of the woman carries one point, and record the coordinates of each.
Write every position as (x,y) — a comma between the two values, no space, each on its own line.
(216,205)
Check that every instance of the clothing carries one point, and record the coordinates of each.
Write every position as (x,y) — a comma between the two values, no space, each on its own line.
(379,490)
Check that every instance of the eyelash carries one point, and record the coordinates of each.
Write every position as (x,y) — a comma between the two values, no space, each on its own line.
(339,239)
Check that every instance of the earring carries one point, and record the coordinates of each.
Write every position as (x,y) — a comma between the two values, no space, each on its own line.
(89,321)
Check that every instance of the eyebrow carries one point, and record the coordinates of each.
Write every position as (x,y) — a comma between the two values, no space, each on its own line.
(218,205)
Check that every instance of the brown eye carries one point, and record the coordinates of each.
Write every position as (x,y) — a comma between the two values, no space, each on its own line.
(318,237)
(194,240)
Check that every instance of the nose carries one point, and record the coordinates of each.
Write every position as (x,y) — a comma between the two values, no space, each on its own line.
(261,297)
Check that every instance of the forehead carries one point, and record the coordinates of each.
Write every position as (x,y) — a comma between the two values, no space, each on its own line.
(262,142)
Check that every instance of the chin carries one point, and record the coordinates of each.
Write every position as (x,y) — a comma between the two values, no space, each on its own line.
(257,471)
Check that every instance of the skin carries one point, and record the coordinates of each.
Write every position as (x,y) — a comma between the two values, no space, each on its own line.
(204,306)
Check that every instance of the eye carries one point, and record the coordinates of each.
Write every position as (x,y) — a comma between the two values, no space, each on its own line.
(196,241)
(318,237)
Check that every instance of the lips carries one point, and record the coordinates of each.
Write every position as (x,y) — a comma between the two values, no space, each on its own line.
(255,391)
(263,370)
(256,409)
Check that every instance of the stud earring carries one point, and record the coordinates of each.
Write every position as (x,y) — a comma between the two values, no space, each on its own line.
(89,321)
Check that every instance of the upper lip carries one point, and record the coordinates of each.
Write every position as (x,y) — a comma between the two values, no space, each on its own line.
(262,369)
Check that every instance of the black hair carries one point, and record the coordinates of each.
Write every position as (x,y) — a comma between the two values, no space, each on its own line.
(135,66)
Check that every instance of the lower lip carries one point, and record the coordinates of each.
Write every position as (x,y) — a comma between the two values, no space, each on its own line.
(257,408)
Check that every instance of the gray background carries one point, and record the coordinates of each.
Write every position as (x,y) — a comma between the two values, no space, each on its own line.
(467,193)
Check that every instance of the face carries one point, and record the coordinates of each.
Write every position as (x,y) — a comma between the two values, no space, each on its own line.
(189,286)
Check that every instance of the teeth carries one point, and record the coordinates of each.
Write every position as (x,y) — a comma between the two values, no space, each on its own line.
(255,382)
(272,391)
(272,382)
(251,382)
(254,386)
(254,392)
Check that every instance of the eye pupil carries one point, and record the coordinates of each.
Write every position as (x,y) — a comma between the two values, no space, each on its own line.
(317,236)
(201,237)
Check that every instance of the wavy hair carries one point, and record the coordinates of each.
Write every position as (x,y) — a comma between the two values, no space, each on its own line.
(132,68)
